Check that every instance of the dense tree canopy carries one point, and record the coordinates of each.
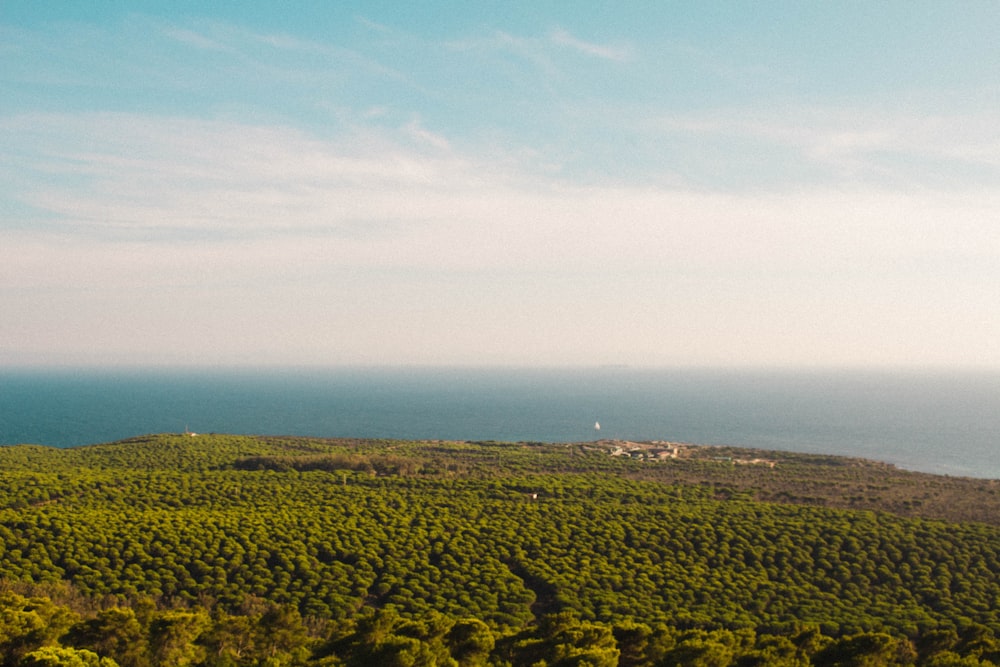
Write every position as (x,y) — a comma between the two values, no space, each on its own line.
(231,550)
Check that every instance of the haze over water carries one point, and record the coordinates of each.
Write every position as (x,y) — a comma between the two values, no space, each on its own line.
(941,422)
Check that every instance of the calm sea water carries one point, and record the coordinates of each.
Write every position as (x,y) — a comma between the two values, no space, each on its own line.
(937,422)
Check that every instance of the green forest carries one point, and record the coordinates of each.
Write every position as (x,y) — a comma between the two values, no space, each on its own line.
(221,550)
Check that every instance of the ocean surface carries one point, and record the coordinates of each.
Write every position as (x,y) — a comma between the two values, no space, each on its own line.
(940,422)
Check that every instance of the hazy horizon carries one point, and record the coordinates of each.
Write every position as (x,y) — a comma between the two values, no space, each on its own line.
(307,368)
(358,184)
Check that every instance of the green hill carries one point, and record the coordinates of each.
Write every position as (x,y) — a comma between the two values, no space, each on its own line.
(233,550)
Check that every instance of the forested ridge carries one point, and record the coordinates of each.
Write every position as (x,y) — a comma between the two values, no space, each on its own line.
(235,550)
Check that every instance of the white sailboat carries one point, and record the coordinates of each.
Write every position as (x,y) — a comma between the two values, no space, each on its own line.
(597,426)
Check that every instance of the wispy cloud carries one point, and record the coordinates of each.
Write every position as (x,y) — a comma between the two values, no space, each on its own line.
(192,38)
(562,37)
(529,50)
(375,26)
(856,145)
(410,197)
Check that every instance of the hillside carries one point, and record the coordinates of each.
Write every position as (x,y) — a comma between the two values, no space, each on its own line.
(380,552)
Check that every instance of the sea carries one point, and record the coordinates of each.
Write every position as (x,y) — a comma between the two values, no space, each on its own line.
(943,422)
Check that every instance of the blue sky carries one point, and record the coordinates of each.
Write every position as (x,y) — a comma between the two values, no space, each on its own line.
(642,183)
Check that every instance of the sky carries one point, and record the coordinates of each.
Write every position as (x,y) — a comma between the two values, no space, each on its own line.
(776,184)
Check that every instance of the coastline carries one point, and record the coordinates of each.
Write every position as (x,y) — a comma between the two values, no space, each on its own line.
(937,422)
(772,476)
